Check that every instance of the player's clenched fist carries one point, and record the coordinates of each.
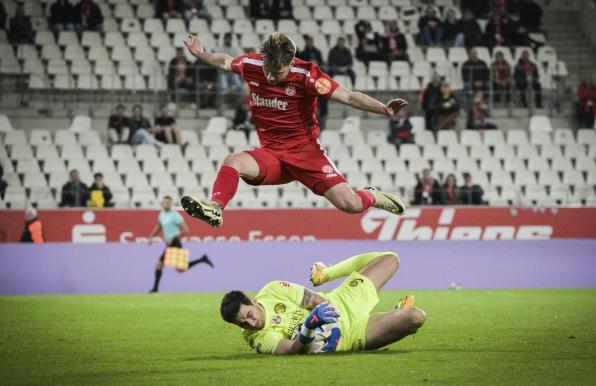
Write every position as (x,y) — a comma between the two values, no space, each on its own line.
(322,314)
(194,44)
(394,105)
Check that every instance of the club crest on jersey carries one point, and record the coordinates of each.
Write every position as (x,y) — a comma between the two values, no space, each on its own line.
(327,169)
(279,308)
(323,86)
(290,90)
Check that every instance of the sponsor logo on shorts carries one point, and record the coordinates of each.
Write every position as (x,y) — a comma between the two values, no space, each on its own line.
(327,169)
(355,282)
(284,283)
(253,83)
(323,86)
(279,308)
(274,103)
(290,90)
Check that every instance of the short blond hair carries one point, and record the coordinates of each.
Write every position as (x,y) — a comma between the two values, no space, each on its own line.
(278,50)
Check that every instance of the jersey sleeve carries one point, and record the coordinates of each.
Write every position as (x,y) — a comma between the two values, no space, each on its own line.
(294,293)
(238,65)
(264,342)
(319,83)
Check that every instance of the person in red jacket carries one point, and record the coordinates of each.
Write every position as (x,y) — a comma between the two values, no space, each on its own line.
(586,103)
(33,232)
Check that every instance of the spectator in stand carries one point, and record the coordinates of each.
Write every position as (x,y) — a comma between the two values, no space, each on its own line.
(340,60)
(310,53)
(370,46)
(62,17)
(431,98)
(526,77)
(450,191)
(518,34)
(471,29)
(586,103)
(477,118)
(495,32)
(21,31)
(166,129)
(180,73)
(428,190)
(501,76)
(453,34)
(470,193)
(361,28)
(498,6)
(141,131)
(33,231)
(100,195)
(169,9)
(197,11)
(87,16)
(119,126)
(230,81)
(400,129)
(260,9)
(448,109)
(395,45)
(474,72)
(282,9)
(74,194)
(3,183)
(431,28)
(479,8)
(530,15)
(243,118)
(2,17)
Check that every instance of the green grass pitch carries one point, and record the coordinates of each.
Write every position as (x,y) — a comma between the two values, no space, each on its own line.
(525,337)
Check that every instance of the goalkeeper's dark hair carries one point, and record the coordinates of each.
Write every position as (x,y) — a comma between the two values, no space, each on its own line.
(230,305)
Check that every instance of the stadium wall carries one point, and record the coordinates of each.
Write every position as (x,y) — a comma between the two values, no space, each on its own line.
(419,223)
(126,268)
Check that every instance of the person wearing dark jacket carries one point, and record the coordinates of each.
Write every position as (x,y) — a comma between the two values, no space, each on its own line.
(119,126)
(88,16)
(400,129)
(471,30)
(427,191)
(394,43)
(61,17)
(474,72)
(310,53)
(453,34)
(3,183)
(33,231)
(586,104)
(431,98)
(470,193)
(370,46)
(431,28)
(340,60)
(21,31)
(74,192)
(169,9)
(2,17)
(450,191)
(526,76)
(100,194)
(495,32)
(447,109)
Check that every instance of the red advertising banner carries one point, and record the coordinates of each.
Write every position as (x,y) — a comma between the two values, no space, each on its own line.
(422,223)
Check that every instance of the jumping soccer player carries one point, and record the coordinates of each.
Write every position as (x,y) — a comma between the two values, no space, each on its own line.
(286,318)
(283,99)
(172,225)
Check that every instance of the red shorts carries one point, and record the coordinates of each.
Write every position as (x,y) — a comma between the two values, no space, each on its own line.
(311,167)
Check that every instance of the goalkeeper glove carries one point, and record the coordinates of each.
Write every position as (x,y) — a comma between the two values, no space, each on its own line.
(322,314)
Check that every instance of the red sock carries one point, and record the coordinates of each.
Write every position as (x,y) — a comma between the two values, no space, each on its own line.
(367,198)
(225,186)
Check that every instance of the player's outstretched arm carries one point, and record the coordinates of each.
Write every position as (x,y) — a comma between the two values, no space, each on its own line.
(364,102)
(219,61)
(311,299)
(322,314)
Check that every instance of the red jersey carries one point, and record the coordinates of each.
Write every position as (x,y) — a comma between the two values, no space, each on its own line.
(285,113)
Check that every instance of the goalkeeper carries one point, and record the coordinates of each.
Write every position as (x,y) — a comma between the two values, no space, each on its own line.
(286,318)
